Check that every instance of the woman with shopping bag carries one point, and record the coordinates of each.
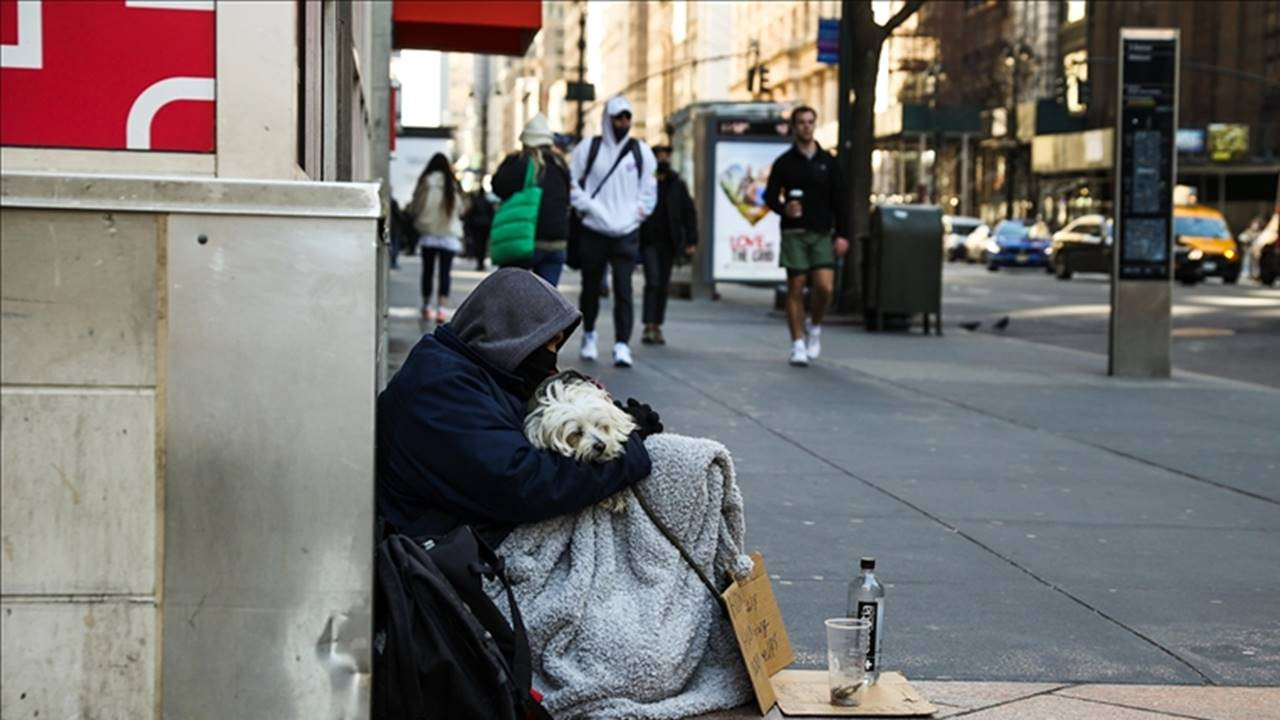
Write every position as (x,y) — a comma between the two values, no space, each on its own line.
(531,228)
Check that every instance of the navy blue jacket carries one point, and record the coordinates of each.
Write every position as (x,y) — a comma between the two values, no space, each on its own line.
(452,450)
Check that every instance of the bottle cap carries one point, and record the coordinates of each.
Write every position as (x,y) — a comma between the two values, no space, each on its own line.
(868,563)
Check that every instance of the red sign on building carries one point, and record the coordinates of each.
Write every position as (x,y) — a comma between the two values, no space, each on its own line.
(107,74)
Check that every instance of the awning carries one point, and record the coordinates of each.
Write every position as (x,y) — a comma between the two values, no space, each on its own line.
(499,27)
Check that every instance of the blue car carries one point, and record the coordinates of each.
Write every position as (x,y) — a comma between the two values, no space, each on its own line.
(1017,243)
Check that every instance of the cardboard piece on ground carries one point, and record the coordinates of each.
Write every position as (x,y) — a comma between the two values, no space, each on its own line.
(766,651)
(806,692)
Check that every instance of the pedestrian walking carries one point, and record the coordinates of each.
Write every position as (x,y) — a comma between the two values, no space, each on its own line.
(476,222)
(805,188)
(436,210)
(613,190)
(1245,242)
(667,236)
(552,175)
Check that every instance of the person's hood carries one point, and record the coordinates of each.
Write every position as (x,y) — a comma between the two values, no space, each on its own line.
(616,105)
(510,314)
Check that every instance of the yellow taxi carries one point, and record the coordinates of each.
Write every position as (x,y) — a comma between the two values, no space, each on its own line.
(1203,245)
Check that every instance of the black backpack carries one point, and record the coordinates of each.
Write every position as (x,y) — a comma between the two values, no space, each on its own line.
(442,649)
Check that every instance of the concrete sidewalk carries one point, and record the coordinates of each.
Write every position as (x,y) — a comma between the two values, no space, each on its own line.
(1050,701)
(1045,532)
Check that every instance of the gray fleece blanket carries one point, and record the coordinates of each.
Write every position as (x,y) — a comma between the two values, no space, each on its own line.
(619,625)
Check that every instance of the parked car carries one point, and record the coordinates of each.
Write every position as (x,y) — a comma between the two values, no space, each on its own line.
(1266,252)
(1083,245)
(955,230)
(1013,243)
(1203,246)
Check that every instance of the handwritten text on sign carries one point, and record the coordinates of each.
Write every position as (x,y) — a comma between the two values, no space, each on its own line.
(762,636)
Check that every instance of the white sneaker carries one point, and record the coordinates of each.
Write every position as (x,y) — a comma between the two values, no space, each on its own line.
(621,355)
(799,356)
(813,341)
(588,351)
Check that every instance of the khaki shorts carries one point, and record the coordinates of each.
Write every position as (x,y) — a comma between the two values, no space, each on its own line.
(805,250)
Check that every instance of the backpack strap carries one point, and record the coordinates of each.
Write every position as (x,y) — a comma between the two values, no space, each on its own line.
(631,147)
(464,559)
(635,152)
(592,154)
(706,581)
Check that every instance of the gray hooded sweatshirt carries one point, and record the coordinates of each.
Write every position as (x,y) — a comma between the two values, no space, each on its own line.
(510,314)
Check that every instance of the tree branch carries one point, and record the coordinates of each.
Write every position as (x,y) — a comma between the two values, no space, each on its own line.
(907,10)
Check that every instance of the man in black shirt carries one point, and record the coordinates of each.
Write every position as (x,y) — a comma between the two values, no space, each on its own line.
(806,190)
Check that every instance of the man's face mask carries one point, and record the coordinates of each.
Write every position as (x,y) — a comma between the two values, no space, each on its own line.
(621,124)
(537,367)
(664,167)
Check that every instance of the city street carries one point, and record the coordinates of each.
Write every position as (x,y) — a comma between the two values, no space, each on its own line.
(1033,519)
(1229,331)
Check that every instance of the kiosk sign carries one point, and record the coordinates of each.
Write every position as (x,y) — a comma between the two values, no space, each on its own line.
(1145,135)
(1146,158)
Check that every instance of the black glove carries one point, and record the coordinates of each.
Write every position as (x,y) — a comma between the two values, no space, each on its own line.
(647,421)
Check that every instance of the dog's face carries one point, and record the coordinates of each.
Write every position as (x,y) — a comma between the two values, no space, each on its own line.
(574,417)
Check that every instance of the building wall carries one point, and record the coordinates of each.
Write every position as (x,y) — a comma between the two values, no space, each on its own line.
(84,393)
(82,490)
(1235,36)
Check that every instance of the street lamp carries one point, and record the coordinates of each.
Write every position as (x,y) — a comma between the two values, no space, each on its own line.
(1015,57)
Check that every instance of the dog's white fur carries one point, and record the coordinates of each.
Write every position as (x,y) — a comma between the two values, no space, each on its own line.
(576,418)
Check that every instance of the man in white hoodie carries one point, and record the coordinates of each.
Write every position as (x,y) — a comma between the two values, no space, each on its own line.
(613,190)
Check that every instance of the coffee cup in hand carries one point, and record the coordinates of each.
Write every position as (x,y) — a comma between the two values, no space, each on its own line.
(794,208)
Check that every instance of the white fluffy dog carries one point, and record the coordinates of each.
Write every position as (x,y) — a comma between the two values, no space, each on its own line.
(572,415)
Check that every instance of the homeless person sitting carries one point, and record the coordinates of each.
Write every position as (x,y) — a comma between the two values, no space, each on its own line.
(451,447)
(618,624)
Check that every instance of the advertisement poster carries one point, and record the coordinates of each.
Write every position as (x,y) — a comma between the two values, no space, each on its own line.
(746,236)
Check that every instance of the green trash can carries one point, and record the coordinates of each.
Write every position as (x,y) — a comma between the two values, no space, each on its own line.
(902,268)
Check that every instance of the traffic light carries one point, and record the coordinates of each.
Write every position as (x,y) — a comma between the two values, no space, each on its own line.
(1083,92)
(1060,88)
(764,78)
(751,79)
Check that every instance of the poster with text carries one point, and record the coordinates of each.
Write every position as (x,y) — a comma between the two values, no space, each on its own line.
(746,237)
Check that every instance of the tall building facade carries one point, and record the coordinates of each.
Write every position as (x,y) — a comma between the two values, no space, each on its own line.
(1229,86)
(783,38)
(1000,57)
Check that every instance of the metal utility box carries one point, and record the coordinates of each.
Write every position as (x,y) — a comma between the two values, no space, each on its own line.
(903,265)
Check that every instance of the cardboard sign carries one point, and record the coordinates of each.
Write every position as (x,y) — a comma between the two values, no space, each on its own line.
(762,636)
(766,651)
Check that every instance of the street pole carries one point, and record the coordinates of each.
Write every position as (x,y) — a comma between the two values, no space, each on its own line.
(582,67)
(844,157)
(1011,127)
(936,77)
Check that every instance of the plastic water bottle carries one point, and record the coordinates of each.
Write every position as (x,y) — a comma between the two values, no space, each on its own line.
(866,602)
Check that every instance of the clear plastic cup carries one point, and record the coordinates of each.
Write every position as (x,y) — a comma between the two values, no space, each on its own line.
(847,640)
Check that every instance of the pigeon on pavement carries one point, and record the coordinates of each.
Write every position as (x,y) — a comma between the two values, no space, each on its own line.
(970,326)
(1002,323)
